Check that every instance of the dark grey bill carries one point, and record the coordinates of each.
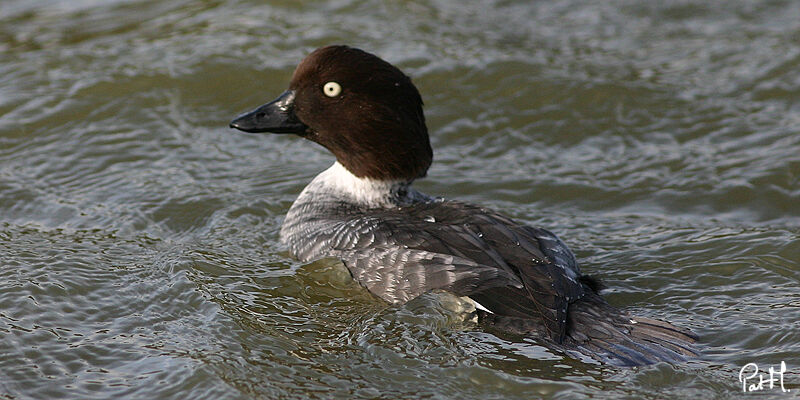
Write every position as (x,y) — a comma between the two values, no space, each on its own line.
(276,116)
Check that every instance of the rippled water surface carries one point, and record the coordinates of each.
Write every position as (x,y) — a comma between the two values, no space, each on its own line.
(139,253)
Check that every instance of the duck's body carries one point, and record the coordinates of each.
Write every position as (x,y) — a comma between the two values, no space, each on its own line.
(400,243)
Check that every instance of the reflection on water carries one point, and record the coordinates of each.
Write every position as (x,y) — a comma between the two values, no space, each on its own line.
(138,235)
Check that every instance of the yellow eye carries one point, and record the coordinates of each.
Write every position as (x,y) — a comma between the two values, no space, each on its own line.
(332,89)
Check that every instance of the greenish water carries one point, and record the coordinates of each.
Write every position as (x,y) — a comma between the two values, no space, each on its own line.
(139,255)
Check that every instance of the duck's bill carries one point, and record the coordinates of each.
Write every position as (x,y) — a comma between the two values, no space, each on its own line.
(276,116)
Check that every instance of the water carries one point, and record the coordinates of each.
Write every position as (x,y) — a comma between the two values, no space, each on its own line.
(139,255)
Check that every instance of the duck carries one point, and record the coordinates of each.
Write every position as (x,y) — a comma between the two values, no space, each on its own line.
(400,243)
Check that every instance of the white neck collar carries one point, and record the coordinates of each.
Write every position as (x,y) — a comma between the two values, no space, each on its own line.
(364,191)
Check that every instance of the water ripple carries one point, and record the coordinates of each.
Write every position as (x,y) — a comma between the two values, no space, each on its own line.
(139,252)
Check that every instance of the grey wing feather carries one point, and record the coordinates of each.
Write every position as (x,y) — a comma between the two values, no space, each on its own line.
(507,267)
(397,262)
(399,275)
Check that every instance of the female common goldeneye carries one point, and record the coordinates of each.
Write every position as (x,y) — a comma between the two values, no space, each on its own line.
(400,243)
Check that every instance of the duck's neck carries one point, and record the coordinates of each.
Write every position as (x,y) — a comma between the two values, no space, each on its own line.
(340,182)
